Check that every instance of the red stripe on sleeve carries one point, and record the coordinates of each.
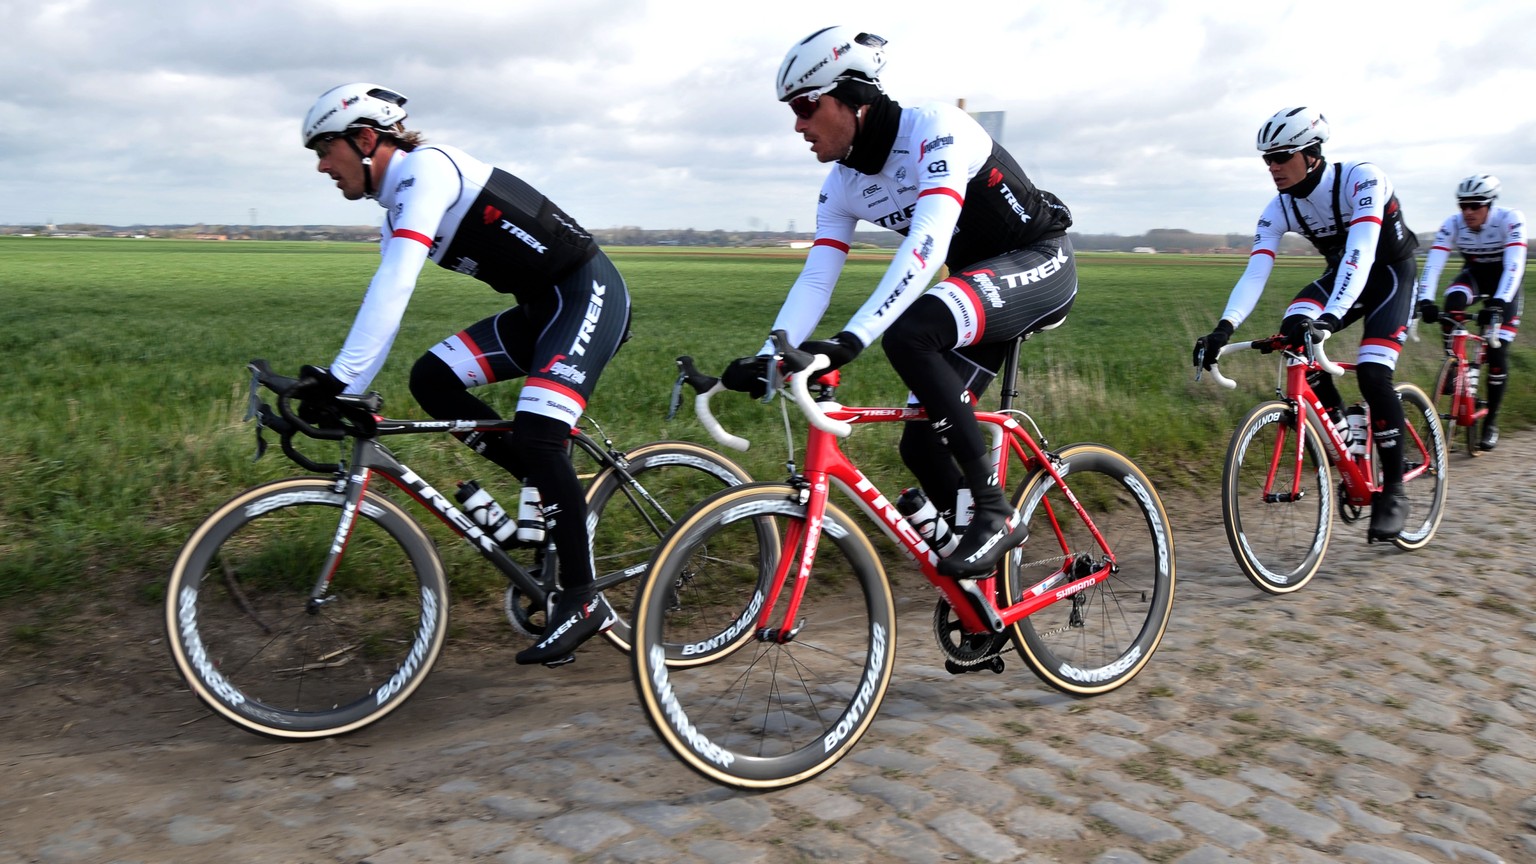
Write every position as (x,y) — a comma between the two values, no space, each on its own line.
(414,235)
(1269,252)
(944,190)
(835,244)
(1376,219)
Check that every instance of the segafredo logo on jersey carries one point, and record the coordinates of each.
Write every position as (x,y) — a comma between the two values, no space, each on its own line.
(589,322)
(564,370)
(1359,187)
(985,284)
(936,144)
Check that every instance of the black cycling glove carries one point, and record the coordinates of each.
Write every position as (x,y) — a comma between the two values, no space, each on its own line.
(747,375)
(1208,347)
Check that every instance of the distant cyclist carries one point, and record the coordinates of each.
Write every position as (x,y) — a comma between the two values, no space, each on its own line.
(445,206)
(1349,212)
(1493,248)
(932,174)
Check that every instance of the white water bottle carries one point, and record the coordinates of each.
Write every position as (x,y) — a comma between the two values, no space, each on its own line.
(530,516)
(914,505)
(482,508)
(1358,431)
(1472,379)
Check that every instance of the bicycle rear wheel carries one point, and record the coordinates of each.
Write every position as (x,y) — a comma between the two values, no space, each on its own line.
(245,636)
(629,511)
(1277,534)
(782,707)
(1098,638)
(1424,467)
(1450,389)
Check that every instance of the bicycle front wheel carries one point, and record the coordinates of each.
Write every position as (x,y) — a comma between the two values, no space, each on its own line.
(1424,467)
(788,703)
(1096,639)
(1450,392)
(252,645)
(1276,499)
(630,510)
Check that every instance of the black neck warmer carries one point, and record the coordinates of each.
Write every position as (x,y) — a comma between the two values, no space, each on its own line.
(1307,185)
(872,142)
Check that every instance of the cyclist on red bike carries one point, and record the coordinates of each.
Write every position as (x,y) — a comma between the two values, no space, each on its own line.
(446,206)
(1493,249)
(1349,212)
(932,174)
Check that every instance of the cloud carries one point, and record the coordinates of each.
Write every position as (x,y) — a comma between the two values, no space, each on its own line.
(660,114)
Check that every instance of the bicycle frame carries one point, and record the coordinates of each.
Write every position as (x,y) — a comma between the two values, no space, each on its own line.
(1465,410)
(1356,472)
(826,463)
(369,457)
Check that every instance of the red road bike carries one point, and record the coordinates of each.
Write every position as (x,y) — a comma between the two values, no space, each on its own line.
(1277,494)
(1085,601)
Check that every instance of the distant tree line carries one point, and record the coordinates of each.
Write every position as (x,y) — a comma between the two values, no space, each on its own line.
(1160,240)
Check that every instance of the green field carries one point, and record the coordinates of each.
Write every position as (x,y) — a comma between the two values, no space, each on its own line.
(124,385)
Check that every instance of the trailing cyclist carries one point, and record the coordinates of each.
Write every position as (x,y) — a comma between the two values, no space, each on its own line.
(932,174)
(572,313)
(1493,249)
(1349,213)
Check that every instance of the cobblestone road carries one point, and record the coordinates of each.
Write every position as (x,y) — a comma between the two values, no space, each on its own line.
(1386,714)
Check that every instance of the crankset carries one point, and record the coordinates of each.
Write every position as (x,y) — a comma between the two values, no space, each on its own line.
(1348,512)
(966,652)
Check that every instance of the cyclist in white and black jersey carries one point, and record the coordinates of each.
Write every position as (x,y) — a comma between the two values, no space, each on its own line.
(934,175)
(1492,243)
(572,313)
(1351,215)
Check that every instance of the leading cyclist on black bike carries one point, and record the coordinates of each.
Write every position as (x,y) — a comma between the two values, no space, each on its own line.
(1349,212)
(446,206)
(934,175)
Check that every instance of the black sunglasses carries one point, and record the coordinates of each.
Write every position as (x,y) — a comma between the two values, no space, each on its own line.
(1279,158)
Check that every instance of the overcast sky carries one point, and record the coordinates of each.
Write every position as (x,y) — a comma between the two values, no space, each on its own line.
(1139,114)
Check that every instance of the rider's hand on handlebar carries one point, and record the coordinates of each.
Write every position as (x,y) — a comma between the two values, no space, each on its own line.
(1208,347)
(1491,307)
(841,349)
(747,375)
(1429,313)
(316,391)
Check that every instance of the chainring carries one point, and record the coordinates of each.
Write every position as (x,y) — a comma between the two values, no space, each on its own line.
(964,649)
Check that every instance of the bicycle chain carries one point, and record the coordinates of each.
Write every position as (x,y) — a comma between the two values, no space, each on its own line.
(974,648)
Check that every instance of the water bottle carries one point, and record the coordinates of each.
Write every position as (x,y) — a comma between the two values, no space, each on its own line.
(1340,425)
(530,516)
(914,505)
(1472,379)
(482,508)
(1359,429)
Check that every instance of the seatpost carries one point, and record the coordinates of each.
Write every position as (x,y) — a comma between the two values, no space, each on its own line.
(1010,381)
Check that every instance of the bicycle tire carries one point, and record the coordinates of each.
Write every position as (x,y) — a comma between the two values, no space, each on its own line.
(626,521)
(1279,545)
(1423,444)
(243,637)
(1099,638)
(773,712)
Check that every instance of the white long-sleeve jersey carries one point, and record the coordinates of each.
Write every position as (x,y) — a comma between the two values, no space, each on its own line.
(1352,217)
(1494,254)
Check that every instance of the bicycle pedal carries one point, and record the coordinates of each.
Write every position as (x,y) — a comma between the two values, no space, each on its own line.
(560,661)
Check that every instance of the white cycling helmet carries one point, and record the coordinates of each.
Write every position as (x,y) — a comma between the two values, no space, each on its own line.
(1479,189)
(351,106)
(828,57)
(1293,129)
